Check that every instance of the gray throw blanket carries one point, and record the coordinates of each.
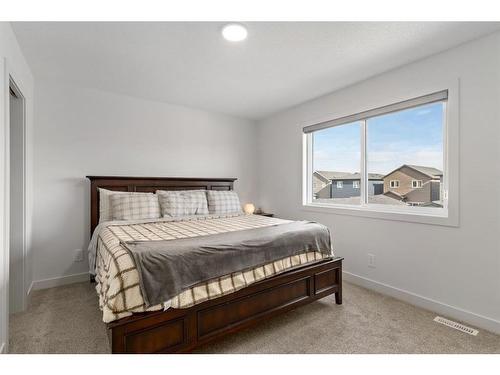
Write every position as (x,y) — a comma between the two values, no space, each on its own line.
(166,268)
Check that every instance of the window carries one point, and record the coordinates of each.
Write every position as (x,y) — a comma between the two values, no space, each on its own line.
(336,154)
(394,183)
(387,152)
(416,184)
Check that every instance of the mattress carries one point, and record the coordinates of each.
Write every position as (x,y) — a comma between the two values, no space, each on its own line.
(117,279)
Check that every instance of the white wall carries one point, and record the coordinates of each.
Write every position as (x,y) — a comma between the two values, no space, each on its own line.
(12,63)
(453,270)
(83,132)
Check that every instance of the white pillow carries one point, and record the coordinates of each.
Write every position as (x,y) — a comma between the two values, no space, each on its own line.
(223,202)
(135,206)
(182,202)
(105,211)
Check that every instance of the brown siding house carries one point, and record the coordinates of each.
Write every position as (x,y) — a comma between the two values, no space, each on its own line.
(414,184)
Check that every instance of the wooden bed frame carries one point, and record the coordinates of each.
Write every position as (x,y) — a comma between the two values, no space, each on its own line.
(182,330)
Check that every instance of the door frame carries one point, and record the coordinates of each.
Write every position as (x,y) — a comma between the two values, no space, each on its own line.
(22,298)
(6,74)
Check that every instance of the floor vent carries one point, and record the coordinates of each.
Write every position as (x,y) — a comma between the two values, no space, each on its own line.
(460,327)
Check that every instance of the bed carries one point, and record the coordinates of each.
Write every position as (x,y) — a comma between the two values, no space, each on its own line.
(207,311)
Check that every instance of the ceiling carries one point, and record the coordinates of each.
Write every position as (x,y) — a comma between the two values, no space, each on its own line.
(280,64)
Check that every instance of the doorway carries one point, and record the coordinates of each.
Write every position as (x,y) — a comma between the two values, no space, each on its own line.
(17,289)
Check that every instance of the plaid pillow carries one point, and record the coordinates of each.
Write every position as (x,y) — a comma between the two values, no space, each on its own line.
(105,211)
(223,202)
(134,206)
(183,202)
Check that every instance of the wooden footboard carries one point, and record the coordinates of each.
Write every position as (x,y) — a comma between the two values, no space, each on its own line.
(181,330)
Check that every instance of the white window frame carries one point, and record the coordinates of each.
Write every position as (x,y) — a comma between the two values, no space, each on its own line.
(339,184)
(419,184)
(448,215)
(355,184)
(394,184)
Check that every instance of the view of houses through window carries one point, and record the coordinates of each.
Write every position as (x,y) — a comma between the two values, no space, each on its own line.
(336,152)
(403,158)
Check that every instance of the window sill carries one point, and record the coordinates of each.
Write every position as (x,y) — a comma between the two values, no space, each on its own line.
(423,215)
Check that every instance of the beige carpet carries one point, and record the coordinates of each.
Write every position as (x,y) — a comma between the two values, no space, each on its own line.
(67,320)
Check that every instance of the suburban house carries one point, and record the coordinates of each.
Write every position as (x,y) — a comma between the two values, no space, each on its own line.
(321,184)
(414,184)
(408,184)
(329,184)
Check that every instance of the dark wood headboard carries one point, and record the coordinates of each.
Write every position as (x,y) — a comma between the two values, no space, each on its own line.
(149,184)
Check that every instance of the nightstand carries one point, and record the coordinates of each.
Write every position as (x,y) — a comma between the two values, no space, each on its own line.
(264,214)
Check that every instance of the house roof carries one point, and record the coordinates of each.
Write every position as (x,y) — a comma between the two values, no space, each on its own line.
(377,199)
(428,171)
(394,194)
(375,176)
(331,175)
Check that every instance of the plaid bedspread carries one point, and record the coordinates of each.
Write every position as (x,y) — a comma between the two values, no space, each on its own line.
(117,279)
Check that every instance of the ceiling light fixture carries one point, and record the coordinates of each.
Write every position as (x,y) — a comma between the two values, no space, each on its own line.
(234,32)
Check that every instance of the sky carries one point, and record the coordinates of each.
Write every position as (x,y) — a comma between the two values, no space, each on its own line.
(412,136)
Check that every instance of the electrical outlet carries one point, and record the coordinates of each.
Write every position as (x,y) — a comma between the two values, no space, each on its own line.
(371,261)
(78,257)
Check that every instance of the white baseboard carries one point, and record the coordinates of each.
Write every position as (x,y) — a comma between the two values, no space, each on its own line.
(58,281)
(30,289)
(2,348)
(457,313)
